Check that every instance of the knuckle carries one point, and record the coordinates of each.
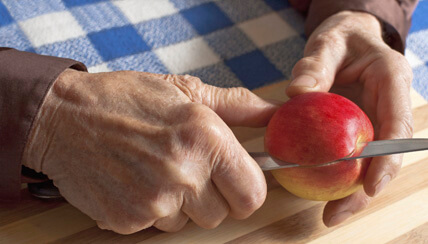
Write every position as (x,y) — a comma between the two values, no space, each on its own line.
(169,224)
(190,82)
(198,112)
(210,224)
(213,219)
(394,166)
(199,124)
(192,188)
(126,227)
(364,202)
(250,203)
(389,165)
(189,85)
(195,113)
(125,230)
(328,40)
(400,68)
(193,185)
(189,79)
(407,126)
(155,204)
(169,228)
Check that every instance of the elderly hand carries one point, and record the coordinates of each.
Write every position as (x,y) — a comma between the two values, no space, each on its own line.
(134,150)
(346,55)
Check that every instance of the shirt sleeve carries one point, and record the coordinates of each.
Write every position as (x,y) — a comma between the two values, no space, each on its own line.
(25,79)
(395,15)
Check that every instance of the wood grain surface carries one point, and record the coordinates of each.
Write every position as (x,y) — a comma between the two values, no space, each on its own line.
(398,215)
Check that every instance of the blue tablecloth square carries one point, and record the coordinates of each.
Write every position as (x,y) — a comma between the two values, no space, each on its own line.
(420,17)
(242,10)
(254,69)
(146,61)
(229,42)
(78,49)
(277,4)
(206,18)
(5,17)
(26,9)
(166,30)
(218,74)
(183,4)
(118,42)
(74,3)
(92,18)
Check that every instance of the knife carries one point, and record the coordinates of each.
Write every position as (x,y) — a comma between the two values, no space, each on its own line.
(267,162)
(371,149)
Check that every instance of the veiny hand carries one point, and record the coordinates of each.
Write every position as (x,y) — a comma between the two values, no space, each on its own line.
(346,55)
(134,150)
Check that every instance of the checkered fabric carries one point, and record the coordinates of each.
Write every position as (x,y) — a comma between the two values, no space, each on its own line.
(417,48)
(226,43)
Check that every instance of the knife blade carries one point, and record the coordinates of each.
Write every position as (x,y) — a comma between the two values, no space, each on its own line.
(371,149)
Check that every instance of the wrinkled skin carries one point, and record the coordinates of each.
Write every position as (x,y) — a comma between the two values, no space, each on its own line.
(346,55)
(134,150)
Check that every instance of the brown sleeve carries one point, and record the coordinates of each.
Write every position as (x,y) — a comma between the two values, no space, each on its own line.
(395,15)
(24,80)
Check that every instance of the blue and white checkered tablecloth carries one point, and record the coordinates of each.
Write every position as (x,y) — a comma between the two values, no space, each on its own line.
(417,48)
(226,43)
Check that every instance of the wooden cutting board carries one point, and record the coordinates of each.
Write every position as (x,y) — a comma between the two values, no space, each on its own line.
(398,215)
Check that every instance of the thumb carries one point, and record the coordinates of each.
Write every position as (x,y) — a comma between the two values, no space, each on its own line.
(239,106)
(317,70)
(236,106)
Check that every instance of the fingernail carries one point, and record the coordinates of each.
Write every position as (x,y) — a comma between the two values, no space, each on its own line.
(381,184)
(339,218)
(304,81)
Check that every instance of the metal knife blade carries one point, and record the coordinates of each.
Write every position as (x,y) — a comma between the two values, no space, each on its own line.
(371,149)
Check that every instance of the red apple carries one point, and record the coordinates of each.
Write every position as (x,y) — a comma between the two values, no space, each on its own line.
(315,128)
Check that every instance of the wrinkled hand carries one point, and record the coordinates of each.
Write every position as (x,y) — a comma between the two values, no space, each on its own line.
(134,150)
(346,55)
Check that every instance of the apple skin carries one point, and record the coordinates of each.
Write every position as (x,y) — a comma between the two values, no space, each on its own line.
(315,128)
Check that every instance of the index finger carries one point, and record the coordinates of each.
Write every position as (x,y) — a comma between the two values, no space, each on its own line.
(236,175)
(240,181)
(394,120)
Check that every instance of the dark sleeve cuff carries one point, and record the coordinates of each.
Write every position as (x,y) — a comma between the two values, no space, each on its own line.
(25,79)
(395,21)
